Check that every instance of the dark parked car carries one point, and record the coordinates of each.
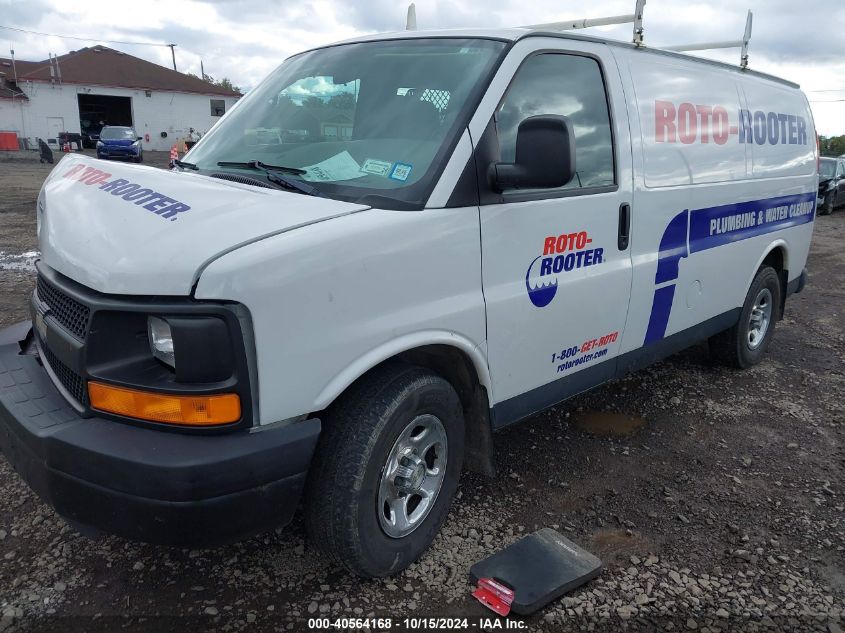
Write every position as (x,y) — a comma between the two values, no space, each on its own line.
(120,142)
(831,185)
(90,132)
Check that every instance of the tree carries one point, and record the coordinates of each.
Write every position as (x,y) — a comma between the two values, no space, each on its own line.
(314,103)
(832,146)
(343,101)
(224,83)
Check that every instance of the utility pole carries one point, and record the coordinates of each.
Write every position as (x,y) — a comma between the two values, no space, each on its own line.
(173,54)
(202,71)
(14,69)
(21,102)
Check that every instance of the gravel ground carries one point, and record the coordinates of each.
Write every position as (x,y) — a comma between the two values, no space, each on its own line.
(715,499)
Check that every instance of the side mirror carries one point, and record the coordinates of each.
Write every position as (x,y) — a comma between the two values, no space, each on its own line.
(545,155)
(140,138)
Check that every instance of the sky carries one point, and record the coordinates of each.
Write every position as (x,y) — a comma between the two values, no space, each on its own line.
(245,39)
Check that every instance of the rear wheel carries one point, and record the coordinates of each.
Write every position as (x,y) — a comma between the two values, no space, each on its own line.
(745,343)
(386,469)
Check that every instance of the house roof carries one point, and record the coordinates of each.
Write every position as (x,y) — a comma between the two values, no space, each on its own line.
(104,66)
(8,87)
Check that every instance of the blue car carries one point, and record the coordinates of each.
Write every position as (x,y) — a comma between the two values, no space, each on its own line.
(120,142)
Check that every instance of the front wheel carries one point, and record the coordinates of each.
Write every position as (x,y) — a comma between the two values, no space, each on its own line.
(826,207)
(386,469)
(745,343)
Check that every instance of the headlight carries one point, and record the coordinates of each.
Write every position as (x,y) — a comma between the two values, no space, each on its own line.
(161,340)
(99,144)
(136,144)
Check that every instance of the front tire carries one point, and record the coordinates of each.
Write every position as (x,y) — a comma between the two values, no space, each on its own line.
(386,469)
(745,344)
(826,207)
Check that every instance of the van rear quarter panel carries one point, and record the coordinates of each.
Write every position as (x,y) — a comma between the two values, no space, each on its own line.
(710,200)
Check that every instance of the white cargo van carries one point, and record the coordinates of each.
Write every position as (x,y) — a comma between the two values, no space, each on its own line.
(389,249)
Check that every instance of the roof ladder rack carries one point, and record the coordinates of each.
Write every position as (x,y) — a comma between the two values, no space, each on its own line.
(411,21)
(706,46)
(636,18)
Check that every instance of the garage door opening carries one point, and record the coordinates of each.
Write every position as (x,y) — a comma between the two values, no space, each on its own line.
(95,111)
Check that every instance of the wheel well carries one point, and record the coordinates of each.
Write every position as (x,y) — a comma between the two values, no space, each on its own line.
(776,259)
(456,367)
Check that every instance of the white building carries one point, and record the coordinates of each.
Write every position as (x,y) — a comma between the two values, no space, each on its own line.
(83,89)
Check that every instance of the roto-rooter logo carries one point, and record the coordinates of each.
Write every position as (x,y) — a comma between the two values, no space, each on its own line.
(158,203)
(689,123)
(561,254)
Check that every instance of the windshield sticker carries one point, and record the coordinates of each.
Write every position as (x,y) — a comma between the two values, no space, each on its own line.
(339,167)
(401,171)
(377,167)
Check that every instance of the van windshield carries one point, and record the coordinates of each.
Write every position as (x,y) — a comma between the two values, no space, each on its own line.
(117,133)
(364,119)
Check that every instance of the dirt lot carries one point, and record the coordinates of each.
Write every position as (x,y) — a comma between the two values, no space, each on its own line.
(715,500)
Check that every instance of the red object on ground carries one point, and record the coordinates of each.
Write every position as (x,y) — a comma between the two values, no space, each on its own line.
(494,595)
(9,141)
(174,154)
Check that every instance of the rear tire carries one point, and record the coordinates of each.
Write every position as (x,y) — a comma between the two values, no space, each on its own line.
(744,344)
(377,493)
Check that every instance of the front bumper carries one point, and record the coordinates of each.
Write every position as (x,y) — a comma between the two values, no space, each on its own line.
(118,152)
(141,483)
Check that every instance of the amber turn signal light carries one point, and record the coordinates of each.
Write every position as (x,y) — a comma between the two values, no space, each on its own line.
(210,410)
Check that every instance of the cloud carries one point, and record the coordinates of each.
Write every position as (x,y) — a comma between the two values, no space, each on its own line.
(245,39)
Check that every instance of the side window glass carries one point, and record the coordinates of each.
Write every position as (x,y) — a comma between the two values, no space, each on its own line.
(840,169)
(571,85)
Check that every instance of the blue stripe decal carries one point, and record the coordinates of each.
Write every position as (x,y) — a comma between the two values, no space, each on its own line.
(673,248)
(660,309)
(730,223)
(713,227)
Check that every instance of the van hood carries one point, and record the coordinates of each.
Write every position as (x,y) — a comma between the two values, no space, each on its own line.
(133,229)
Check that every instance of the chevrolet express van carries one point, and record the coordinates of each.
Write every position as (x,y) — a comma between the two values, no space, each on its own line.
(388,250)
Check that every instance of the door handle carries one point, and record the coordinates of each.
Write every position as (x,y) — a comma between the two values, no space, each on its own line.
(624,237)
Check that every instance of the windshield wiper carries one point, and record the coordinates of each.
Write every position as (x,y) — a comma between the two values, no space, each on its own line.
(271,172)
(257,164)
(184,165)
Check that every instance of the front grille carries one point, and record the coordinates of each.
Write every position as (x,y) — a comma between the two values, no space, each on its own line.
(71,381)
(66,310)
